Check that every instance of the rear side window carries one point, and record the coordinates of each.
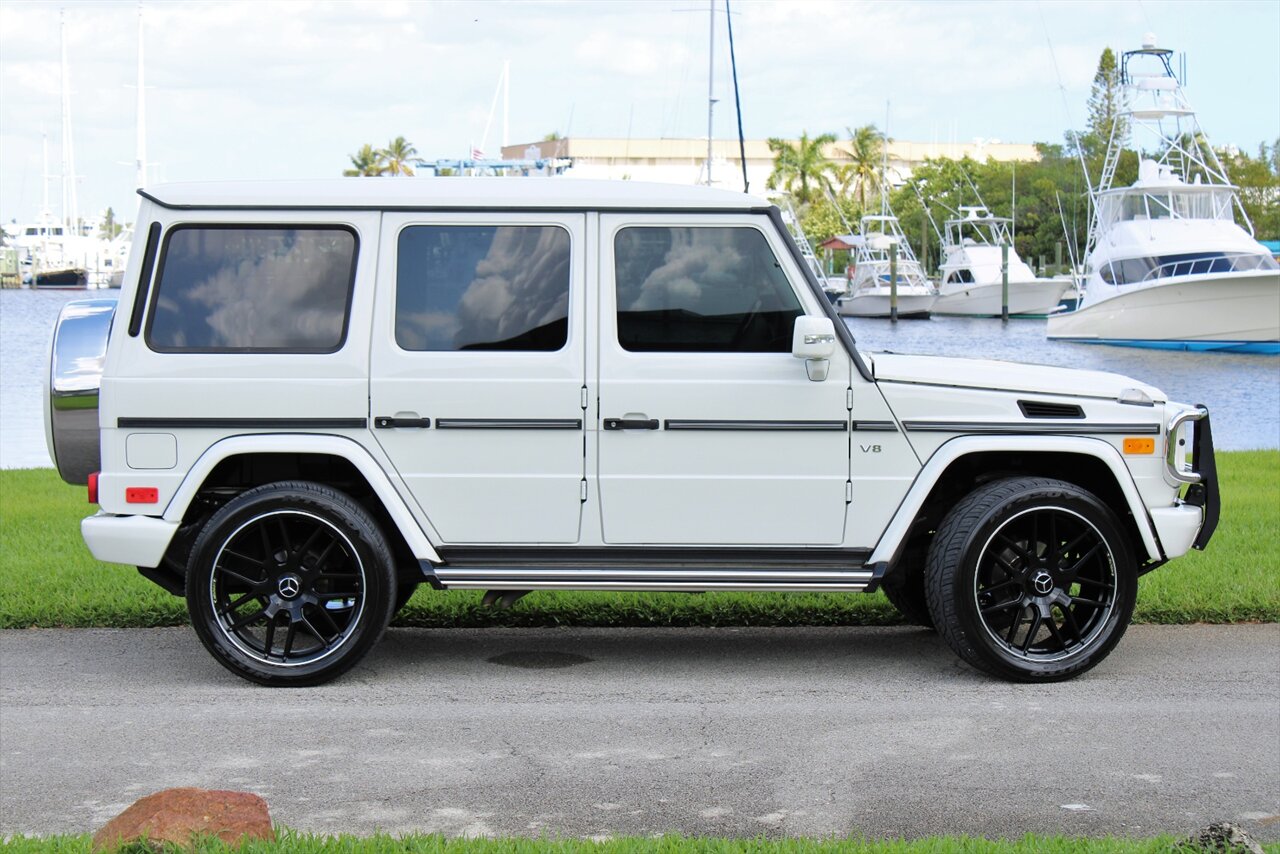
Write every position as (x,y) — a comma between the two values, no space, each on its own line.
(253,289)
(703,289)
(482,287)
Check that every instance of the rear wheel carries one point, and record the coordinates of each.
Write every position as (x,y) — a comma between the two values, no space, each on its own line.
(290,584)
(1031,579)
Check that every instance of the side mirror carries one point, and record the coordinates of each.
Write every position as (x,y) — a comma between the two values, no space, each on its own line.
(814,340)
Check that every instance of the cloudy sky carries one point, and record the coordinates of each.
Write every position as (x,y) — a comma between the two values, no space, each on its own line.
(289,89)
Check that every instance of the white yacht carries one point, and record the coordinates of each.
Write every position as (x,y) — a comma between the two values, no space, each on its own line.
(869,292)
(1171,260)
(971,270)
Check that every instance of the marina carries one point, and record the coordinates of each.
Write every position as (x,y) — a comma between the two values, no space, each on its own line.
(1242,391)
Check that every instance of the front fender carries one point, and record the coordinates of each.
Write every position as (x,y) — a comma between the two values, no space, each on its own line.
(894,536)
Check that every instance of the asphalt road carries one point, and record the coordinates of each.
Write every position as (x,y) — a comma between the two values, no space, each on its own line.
(742,732)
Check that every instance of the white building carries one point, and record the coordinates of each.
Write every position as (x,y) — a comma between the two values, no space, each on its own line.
(684,161)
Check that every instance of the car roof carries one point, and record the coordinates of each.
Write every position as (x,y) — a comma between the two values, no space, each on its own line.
(419,193)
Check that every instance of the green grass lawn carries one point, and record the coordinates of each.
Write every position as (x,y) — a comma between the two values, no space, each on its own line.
(290,843)
(48,578)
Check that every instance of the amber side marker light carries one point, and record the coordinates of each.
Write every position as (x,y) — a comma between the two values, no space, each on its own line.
(93,487)
(141,495)
(1136,445)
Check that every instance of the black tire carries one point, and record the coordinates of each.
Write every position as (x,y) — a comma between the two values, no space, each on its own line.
(905,588)
(1009,602)
(290,584)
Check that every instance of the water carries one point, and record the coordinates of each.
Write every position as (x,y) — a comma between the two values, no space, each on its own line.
(1242,392)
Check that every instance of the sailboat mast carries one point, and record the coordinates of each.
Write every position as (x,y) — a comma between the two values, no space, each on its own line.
(141,155)
(711,78)
(70,212)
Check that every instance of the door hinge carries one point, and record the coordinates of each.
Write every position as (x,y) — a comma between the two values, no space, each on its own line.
(584,398)
(582,492)
(848,399)
(848,492)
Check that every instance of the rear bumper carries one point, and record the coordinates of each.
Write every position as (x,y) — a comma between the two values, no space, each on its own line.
(134,540)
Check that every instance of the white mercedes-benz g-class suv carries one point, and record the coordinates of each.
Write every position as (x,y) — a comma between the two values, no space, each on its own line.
(314,396)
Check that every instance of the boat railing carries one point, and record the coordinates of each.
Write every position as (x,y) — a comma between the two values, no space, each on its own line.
(1123,272)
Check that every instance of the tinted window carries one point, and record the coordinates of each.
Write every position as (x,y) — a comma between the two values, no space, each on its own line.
(248,289)
(701,290)
(465,287)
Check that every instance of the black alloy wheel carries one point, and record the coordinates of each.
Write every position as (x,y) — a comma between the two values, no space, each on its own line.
(290,584)
(1031,579)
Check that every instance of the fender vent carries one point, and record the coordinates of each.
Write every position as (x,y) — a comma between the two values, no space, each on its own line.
(1042,409)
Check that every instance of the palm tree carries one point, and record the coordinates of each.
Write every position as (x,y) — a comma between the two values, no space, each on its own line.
(845,176)
(866,153)
(365,163)
(109,229)
(399,155)
(800,164)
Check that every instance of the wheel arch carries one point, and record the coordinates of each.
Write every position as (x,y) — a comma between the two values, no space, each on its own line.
(243,462)
(965,462)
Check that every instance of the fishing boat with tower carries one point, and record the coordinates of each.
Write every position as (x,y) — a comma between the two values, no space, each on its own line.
(1171,260)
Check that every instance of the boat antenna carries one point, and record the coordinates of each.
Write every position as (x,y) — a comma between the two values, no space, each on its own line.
(839,211)
(493,106)
(1071,244)
(928,213)
(972,186)
(1066,106)
(711,80)
(884,162)
(737,99)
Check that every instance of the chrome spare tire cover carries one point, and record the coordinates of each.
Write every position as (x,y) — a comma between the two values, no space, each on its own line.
(73,379)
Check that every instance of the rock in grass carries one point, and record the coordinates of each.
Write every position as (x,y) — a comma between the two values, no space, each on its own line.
(1223,836)
(176,815)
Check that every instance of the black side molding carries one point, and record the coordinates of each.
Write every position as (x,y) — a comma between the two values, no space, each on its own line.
(242,423)
(508,423)
(803,426)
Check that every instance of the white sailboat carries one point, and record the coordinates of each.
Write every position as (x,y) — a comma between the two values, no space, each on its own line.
(1168,264)
(972,270)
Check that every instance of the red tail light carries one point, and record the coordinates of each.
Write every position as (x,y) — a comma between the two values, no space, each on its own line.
(141,495)
(93,487)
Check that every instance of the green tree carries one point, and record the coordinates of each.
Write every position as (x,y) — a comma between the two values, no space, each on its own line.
(800,168)
(367,162)
(866,156)
(400,157)
(1105,121)
(1259,181)
(110,229)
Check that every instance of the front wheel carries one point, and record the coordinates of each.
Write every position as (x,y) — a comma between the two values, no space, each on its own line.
(1031,579)
(290,584)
